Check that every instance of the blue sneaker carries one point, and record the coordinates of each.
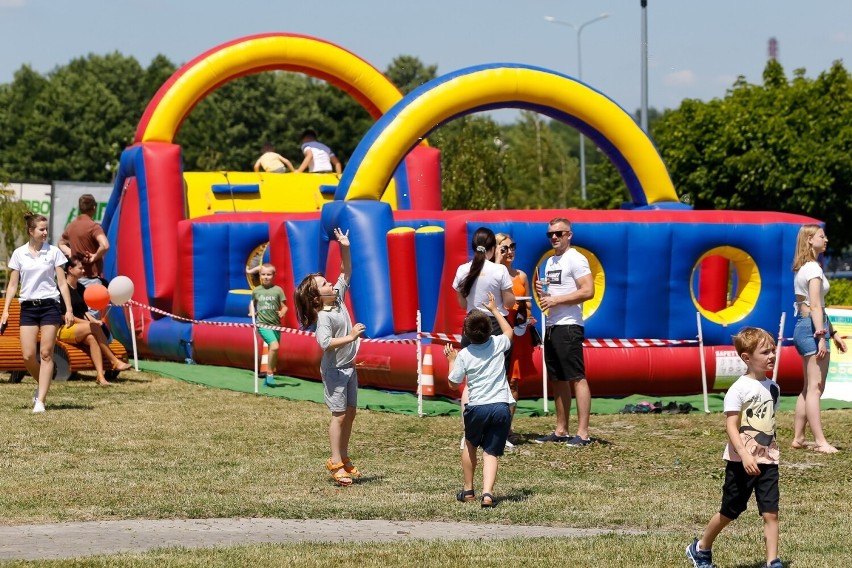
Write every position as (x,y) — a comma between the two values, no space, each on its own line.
(577,441)
(775,564)
(552,437)
(700,558)
(270,381)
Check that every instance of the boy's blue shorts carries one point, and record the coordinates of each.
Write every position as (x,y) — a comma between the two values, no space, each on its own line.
(487,426)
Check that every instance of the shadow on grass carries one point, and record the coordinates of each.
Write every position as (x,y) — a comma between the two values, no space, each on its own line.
(67,406)
(514,497)
(762,565)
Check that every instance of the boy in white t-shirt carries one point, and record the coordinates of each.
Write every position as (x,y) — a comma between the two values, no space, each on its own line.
(487,414)
(752,452)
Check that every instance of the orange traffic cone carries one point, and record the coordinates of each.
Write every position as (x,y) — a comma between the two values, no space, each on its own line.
(264,360)
(427,379)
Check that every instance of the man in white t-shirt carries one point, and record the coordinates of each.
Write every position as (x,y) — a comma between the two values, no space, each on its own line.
(569,283)
(318,157)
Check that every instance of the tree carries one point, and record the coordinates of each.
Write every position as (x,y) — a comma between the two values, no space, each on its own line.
(785,145)
(12,225)
(472,164)
(543,174)
(408,72)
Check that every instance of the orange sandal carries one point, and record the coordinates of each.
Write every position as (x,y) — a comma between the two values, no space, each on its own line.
(338,473)
(350,468)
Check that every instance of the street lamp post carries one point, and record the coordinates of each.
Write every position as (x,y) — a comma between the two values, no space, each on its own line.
(579,30)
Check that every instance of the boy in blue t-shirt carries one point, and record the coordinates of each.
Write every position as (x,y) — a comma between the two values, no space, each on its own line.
(487,415)
(269,304)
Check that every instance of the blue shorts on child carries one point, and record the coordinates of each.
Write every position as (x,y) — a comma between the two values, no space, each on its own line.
(487,426)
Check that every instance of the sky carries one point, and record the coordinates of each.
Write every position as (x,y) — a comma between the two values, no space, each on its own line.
(696,49)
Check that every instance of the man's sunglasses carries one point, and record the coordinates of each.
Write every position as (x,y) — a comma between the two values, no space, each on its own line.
(506,248)
(560,234)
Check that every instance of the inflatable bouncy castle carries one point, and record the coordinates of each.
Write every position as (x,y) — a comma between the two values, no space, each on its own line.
(186,238)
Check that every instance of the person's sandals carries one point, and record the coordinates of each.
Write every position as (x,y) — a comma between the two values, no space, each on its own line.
(465,495)
(490,500)
(350,468)
(338,473)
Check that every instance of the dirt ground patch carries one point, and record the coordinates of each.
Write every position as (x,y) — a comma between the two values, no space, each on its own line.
(70,540)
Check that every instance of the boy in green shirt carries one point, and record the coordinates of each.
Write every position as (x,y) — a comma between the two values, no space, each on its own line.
(268,305)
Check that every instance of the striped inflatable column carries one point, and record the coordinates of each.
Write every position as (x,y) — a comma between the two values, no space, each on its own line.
(429,245)
(402,265)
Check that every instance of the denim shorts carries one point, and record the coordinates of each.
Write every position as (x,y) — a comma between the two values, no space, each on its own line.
(803,336)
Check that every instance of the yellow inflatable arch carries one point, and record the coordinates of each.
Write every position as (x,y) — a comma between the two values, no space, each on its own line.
(498,86)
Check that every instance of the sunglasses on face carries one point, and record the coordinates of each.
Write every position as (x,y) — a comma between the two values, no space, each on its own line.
(506,248)
(560,234)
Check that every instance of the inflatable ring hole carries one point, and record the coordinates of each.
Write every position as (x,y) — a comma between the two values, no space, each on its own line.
(591,306)
(725,284)
(256,257)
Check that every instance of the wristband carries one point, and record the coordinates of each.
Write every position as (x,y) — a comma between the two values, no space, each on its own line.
(819,333)
(833,333)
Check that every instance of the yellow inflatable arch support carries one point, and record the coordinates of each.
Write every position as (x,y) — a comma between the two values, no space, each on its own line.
(253,54)
(505,85)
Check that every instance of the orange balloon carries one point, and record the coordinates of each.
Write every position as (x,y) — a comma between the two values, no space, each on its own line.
(96,296)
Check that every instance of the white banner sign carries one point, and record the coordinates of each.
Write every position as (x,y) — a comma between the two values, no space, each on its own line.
(838,385)
(66,194)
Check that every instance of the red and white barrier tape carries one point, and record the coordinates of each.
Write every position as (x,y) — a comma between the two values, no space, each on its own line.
(248,325)
(450,338)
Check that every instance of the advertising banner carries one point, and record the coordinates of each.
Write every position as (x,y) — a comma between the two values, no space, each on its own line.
(838,385)
(64,203)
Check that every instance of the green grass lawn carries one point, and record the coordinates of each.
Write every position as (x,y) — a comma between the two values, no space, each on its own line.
(152,448)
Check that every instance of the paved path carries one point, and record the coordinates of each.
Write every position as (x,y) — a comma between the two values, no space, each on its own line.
(68,540)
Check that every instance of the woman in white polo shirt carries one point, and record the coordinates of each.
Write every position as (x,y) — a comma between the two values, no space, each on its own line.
(37,266)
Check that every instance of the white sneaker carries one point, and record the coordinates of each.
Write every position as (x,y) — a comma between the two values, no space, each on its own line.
(509,444)
(38,407)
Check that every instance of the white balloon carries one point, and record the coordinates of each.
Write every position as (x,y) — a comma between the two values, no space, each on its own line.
(120,290)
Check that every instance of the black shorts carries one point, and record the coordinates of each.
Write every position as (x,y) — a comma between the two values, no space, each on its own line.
(739,486)
(563,352)
(47,312)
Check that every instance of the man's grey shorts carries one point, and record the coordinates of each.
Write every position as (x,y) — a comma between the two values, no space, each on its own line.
(341,388)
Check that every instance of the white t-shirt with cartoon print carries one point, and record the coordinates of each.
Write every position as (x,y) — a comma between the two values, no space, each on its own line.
(756,401)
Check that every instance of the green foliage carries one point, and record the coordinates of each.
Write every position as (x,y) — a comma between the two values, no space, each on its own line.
(785,145)
(473,163)
(542,174)
(408,72)
(840,293)
(12,226)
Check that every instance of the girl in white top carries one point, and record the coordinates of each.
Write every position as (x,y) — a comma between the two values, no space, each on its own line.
(475,279)
(37,266)
(810,334)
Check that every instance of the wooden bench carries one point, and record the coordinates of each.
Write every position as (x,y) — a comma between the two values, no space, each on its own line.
(68,358)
